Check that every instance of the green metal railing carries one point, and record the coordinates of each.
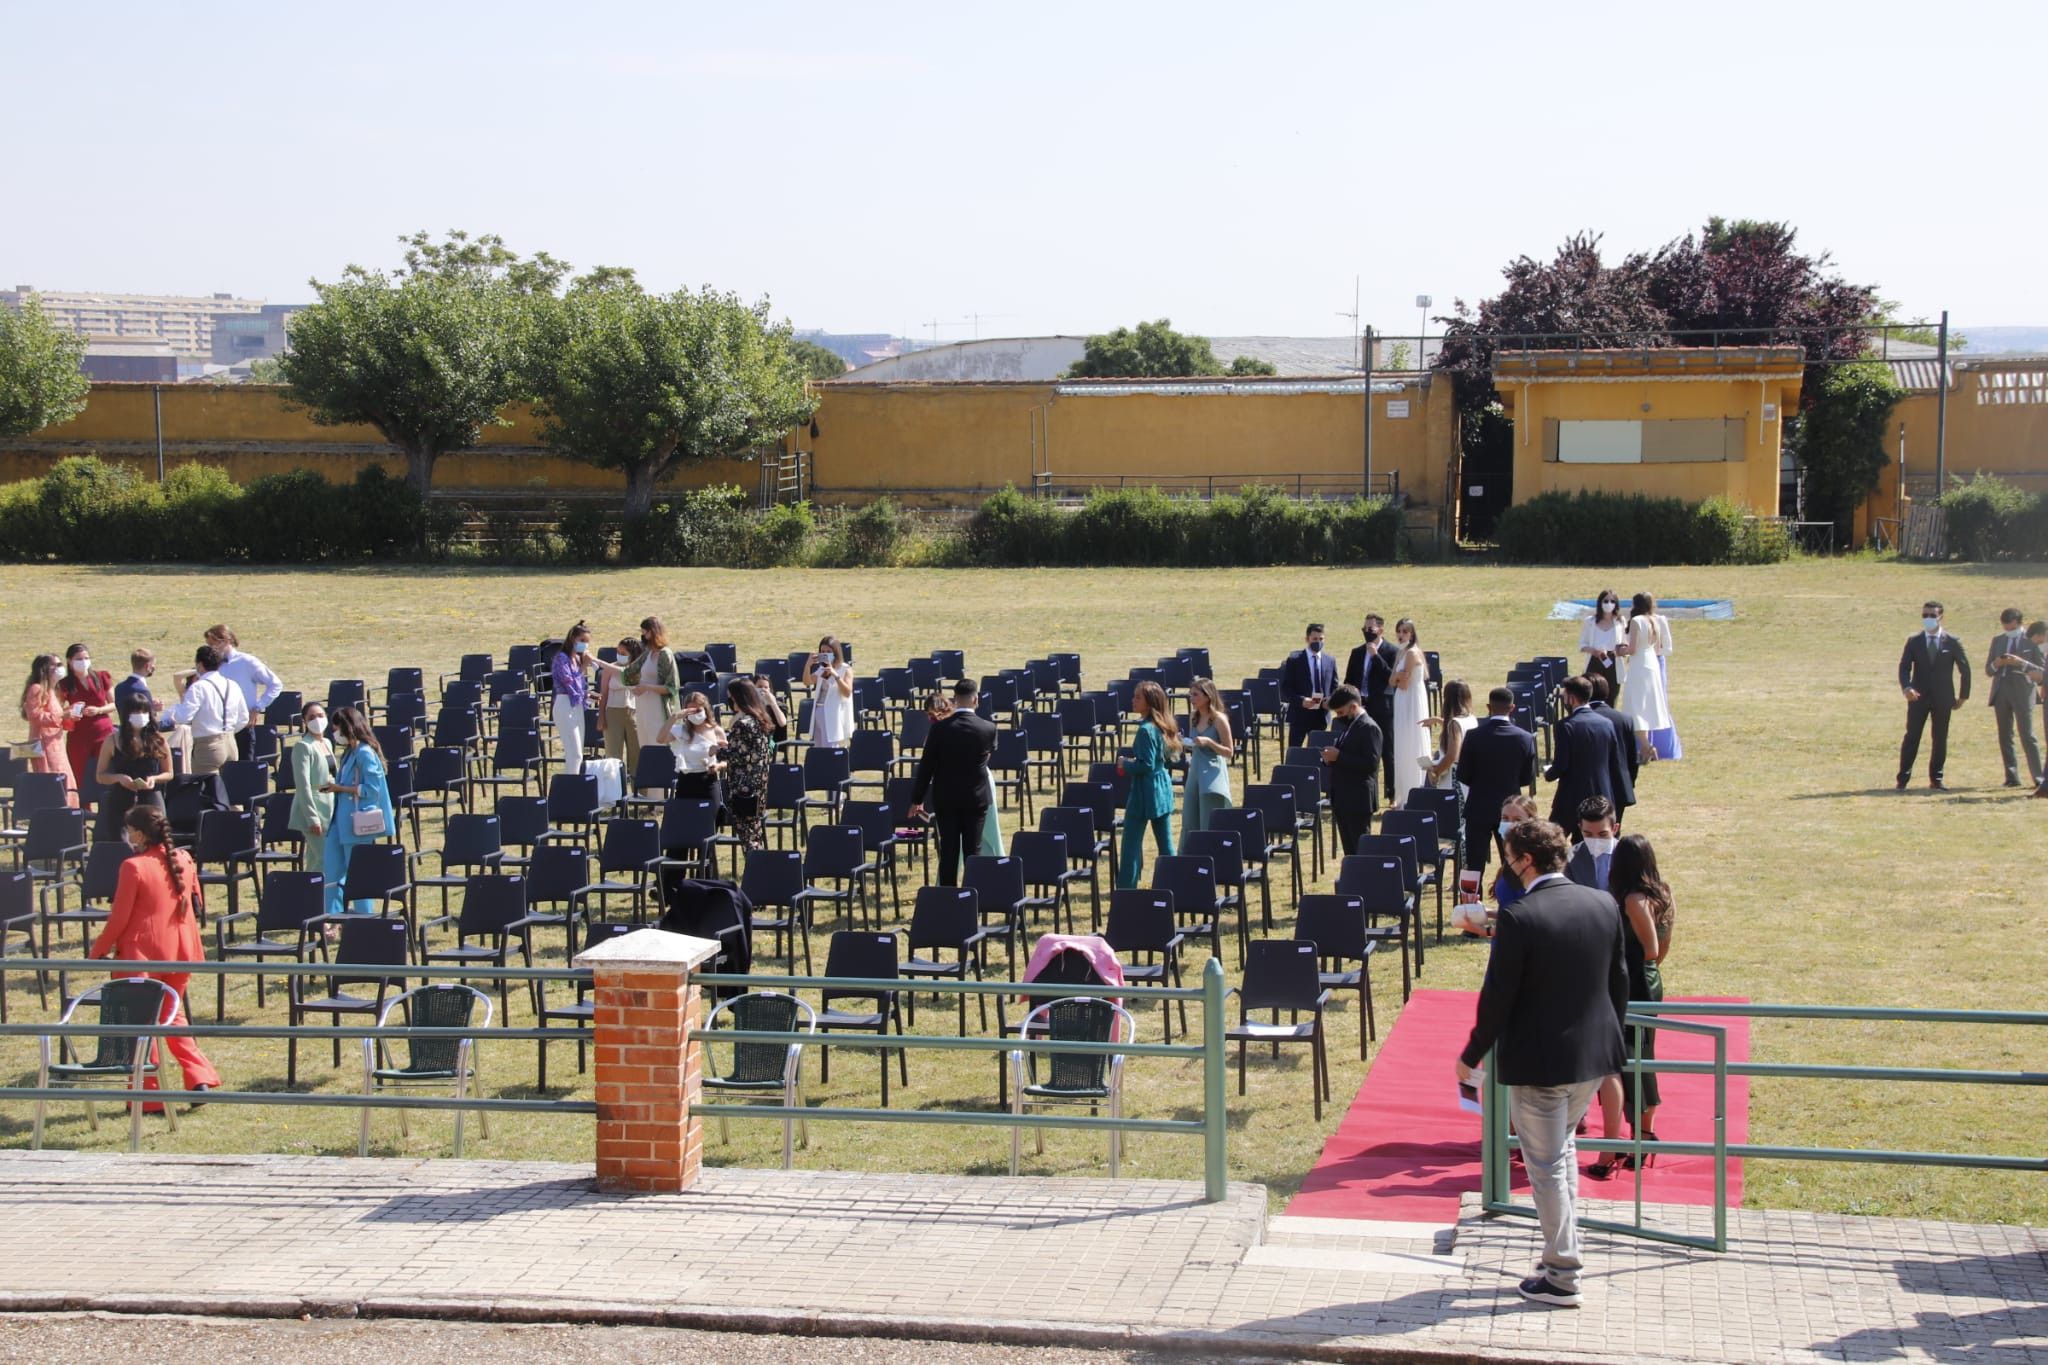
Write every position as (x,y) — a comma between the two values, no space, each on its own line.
(1212,1125)
(1497,1143)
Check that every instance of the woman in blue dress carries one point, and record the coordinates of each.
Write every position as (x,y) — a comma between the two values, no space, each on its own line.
(1151,799)
(1209,753)
(359,786)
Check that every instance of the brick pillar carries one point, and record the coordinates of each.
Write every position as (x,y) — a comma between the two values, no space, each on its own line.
(649,1069)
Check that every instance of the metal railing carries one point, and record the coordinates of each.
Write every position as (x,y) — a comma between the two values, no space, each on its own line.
(1497,1143)
(1211,1126)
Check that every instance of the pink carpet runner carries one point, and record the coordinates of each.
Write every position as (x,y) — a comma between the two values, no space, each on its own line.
(1405,1151)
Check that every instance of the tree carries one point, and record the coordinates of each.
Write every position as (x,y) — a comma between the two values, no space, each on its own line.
(1252,365)
(642,383)
(1153,351)
(816,362)
(40,381)
(1839,439)
(428,354)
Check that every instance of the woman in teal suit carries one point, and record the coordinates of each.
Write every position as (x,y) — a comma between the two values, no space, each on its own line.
(1151,799)
(358,785)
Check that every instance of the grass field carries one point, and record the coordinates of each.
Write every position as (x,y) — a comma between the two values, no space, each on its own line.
(1800,875)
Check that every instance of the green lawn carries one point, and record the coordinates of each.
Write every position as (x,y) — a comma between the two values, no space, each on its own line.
(1800,875)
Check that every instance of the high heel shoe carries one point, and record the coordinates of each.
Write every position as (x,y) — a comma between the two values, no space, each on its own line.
(1628,1159)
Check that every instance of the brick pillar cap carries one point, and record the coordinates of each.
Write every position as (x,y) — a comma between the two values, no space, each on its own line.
(651,948)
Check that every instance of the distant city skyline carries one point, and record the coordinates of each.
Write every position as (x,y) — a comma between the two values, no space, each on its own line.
(882,170)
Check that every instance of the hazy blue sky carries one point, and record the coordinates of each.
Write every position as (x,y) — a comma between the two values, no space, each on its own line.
(1052,167)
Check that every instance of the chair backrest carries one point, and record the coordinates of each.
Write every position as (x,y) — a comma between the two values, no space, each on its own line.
(1139,921)
(37,791)
(1419,825)
(395,740)
(555,873)
(874,819)
(345,692)
(762,1012)
(281,712)
(785,786)
(1280,973)
(859,953)
(1115,777)
(1192,880)
(825,767)
(725,657)
(772,876)
(103,870)
(1224,849)
(471,839)
(1402,846)
(871,751)
(1043,854)
(369,941)
(572,798)
(686,823)
(224,835)
(404,682)
(833,851)
(54,829)
(952,662)
(655,766)
(1078,718)
(1443,803)
(1077,823)
(925,674)
(1377,879)
(1076,1019)
(475,667)
(629,845)
(518,711)
(1249,826)
(1176,674)
(129,1002)
(1335,924)
(1044,731)
(438,769)
(375,872)
(943,917)
(490,902)
(1013,749)
(998,881)
(1097,798)
(522,658)
(916,728)
(264,742)
(440,1004)
(521,819)
(288,898)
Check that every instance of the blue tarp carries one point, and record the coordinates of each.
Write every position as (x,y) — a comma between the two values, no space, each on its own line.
(1677,608)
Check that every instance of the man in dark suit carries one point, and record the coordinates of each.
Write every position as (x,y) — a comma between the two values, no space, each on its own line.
(1497,760)
(1624,739)
(2012,695)
(1354,767)
(1587,760)
(1550,1009)
(1927,676)
(1306,681)
(1370,669)
(954,774)
(1599,831)
(132,692)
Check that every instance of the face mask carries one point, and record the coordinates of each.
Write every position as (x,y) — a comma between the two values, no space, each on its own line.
(1601,848)
(582,646)
(1315,646)
(317,726)
(1505,826)
(694,717)
(140,720)
(1372,632)
(81,666)
(1930,624)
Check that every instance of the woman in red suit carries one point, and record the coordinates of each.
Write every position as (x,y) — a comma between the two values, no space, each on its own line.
(88,697)
(155,919)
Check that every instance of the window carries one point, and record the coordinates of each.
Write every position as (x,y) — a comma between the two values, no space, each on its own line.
(2012,386)
(1669,441)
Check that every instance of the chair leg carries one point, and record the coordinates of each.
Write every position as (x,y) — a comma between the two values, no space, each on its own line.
(1116,1136)
(461,1089)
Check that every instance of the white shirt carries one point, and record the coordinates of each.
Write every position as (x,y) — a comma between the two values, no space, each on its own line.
(211,706)
(259,685)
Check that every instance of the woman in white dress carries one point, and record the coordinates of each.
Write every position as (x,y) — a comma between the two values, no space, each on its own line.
(1645,687)
(831,680)
(1599,638)
(1410,740)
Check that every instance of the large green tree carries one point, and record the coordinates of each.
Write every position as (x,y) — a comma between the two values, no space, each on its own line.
(428,354)
(643,383)
(1838,440)
(1151,350)
(817,362)
(40,382)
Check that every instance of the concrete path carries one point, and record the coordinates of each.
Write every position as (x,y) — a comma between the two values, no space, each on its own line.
(1085,1262)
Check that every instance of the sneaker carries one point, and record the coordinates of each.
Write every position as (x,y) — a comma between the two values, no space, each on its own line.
(1539,1289)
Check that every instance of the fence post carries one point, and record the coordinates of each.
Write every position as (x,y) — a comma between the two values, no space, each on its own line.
(649,1069)
(1215,1108)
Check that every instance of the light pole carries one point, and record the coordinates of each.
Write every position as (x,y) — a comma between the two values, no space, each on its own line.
(1422,302)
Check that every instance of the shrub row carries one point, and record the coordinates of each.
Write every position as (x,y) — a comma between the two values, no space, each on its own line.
(87,510)
(1148,527)
(1616,528)
(1989,518)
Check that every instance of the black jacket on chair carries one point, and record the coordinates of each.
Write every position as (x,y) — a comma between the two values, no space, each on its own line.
(1556,986)
(1932,673)
(954,770)
(1587,763)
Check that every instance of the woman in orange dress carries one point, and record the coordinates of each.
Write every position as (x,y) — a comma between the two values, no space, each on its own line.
(47,721)
(155,919)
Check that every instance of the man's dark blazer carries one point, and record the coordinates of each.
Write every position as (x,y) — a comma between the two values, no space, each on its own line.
(954,769)
(2013,686)
(1355,776)
(131,689)
(1584,869)
(1625,741)
(1587,762)
(1932,673)
(1370,669)
(1304,675)
(1498,759)
(1556,986)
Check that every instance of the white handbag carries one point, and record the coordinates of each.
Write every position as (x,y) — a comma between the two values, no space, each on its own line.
(368,824)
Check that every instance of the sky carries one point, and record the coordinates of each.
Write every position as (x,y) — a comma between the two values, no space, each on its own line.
(1052,168)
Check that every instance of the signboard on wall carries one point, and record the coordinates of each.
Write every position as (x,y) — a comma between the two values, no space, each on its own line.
(1397,407)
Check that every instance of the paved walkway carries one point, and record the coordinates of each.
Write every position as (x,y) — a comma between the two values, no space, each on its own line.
(1128,1263)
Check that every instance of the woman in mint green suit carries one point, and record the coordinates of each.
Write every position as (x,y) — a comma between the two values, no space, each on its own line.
(1151,799)
(359,785)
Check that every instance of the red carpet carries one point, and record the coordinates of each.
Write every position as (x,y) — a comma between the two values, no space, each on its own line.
(1405,1152)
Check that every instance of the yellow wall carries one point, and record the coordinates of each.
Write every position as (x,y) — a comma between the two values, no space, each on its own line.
(2008,439)
(249,430)
(1537,393)
(936,443)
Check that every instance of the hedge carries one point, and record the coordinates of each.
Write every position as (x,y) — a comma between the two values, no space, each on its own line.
(1147,527)
(1989,518)
(1616,528)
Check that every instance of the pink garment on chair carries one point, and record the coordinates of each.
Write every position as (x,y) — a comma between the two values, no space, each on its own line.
(1094,947)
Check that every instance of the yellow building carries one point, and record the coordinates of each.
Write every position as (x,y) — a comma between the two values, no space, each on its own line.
(1997,424)
(1673,423)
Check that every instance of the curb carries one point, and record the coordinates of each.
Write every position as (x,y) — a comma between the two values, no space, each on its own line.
(599,1313)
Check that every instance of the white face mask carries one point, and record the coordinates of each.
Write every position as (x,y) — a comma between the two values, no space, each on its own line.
(139,719)
(582,646)
(1505,826)
(694,717)
(1930,624)
(1601,848)
(81,666)
(316,726)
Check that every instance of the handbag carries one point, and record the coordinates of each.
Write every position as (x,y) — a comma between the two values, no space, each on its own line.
(368,824)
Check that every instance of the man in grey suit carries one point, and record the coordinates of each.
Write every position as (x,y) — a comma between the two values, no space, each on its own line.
(2012,695)
(1550,1009)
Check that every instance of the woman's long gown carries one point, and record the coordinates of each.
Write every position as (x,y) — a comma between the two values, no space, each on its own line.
(1410,740)
(1646,685)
